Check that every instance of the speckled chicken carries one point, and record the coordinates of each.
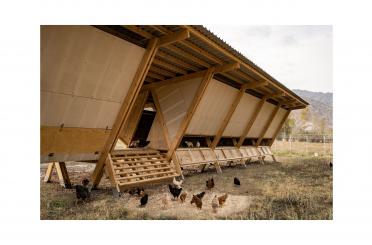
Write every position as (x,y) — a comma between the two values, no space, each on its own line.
(215,203)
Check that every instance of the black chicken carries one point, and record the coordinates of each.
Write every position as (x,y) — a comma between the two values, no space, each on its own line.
(236,181)
(175,191)
(144,200)
(210,183)
(201,195)
(82,192)
(330,165)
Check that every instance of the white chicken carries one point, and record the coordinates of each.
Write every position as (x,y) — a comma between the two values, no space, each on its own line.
(177,183)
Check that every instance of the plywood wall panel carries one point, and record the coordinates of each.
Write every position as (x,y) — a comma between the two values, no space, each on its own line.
(175,101)
(156,135)
(85,75)
(275,123)
(261,120)
(241,116)
(212,109)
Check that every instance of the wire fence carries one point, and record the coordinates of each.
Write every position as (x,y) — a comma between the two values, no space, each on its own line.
(306,145)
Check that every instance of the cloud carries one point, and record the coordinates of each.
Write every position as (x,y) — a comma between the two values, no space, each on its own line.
(298,56)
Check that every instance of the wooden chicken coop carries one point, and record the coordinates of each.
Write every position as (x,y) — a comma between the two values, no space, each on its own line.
(197,100)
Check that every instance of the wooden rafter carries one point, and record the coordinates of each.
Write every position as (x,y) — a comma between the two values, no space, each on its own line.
(251,121)
(138,31)
(126,106)
(155,75)
(162,71)
(191,46)
(268,123)
(176,61)
(169,66)
(280,127)
(190,112)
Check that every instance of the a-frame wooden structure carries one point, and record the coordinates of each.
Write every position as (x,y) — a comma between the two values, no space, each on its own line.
(97,80)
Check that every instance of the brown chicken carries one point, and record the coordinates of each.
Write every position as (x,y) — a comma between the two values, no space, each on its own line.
(210,183)
(197,201)
(222,199)
(183,196)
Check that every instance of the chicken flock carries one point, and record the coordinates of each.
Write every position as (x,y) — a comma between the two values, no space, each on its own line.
(175,189)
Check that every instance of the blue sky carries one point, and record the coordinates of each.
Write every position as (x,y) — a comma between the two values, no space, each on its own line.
(300,57)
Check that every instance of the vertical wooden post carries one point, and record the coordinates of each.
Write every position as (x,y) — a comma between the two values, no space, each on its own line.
(48,173)
(251,121)
(185,123)
(125,108)
(64,180)
(228,117)
(279,127)
(267,125)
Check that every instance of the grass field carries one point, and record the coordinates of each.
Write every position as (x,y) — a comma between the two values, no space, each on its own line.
(295,188)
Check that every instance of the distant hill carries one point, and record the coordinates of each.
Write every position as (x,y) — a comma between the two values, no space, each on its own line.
(318,117)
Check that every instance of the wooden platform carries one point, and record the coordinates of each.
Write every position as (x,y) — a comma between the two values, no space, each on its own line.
(139,167)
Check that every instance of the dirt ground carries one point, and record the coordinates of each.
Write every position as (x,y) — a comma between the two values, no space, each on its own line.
(294,188)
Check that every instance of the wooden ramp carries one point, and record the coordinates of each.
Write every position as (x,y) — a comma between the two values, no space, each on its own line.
(138,167)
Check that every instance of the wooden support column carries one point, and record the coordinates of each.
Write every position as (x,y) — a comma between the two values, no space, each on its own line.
(126,107)
(165,131)
(228,117)
(251,121)
(195,102)
(280,127)
(267,125)
(63,177)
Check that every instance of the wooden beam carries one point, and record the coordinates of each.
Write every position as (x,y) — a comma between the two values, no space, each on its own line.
(174,80)
(227,67)
(174,37)
(218,69)
(126,106)
(274,95)
(190,112)
(268,123)
(228,116)
(279,127)
(254,85)
(251,121)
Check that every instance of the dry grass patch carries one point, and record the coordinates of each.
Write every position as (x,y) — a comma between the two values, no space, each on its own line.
(296,188)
